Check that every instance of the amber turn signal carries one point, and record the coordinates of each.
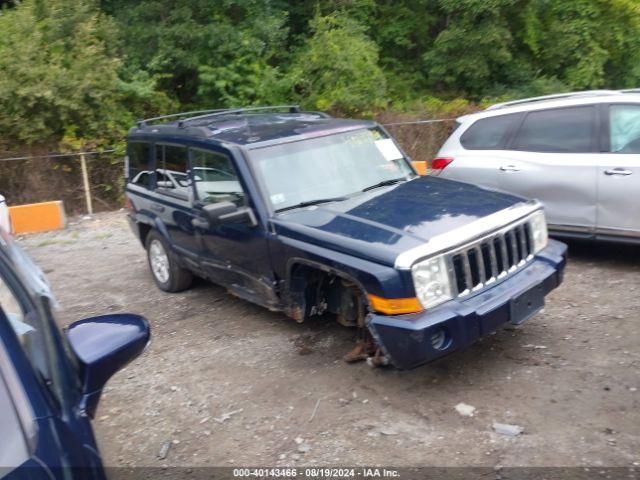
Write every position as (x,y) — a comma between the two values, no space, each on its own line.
(395,306)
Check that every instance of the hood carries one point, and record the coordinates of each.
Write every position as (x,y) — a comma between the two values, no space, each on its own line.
(381,224)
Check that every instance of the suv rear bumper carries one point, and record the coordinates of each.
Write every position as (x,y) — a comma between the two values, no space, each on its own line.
(407,339)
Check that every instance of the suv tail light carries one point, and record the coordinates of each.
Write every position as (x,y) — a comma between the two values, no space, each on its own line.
(439,163)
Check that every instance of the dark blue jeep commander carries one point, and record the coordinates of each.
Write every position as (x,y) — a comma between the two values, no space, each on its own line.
(309,214)
(50,383)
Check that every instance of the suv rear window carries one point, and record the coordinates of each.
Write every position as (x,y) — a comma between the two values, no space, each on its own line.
(139,168)
(557,130)
(488,133)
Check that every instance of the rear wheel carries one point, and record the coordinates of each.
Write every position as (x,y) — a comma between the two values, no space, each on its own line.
(167,273)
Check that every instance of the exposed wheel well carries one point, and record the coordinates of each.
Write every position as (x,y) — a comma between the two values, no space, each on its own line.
(144,230)
(314,290)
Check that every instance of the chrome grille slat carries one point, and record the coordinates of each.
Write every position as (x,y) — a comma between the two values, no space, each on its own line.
(491,258)
(466,266)
(514,250)
(523,242)
(482,276)
(505,256)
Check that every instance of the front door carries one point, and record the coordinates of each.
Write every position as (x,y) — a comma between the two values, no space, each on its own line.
(233,254)
(553,158)
(619,174)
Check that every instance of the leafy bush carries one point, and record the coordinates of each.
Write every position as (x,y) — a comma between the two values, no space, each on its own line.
(337,69)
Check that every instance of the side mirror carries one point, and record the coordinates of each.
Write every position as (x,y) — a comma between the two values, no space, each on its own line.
(228,212)
(102,346)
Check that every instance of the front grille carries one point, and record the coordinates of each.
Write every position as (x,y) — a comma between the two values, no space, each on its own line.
(491,258)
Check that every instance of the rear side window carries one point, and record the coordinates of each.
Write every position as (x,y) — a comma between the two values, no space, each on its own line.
(624,125)
(172,171)
(561,130)
(139,173)
(488,133)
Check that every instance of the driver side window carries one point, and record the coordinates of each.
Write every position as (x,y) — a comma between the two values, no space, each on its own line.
(215,178)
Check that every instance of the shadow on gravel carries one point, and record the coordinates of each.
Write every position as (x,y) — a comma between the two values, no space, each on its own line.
(617,253)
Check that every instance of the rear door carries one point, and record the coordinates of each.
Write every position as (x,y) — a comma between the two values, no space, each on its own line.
(233,254)
(479,151)
(619,172)
(553,157)
(173,197)
(139,174)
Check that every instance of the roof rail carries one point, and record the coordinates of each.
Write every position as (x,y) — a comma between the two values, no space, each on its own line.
(199,114)
(630,90)
(586,93)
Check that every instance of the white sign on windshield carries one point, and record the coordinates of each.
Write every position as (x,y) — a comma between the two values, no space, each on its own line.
(388,149)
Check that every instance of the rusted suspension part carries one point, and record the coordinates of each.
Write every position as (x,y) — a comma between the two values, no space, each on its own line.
(353,312)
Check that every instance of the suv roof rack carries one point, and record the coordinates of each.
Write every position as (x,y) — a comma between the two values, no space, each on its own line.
(199,114)
(587,93)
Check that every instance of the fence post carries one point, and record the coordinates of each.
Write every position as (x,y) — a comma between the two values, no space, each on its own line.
(85,182)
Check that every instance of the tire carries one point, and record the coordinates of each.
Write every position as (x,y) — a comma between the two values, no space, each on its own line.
(165,270)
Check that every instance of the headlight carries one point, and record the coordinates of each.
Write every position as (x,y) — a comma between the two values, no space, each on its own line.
(538,223)
(432,281)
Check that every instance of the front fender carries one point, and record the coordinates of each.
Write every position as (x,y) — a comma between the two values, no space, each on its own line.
(373,278)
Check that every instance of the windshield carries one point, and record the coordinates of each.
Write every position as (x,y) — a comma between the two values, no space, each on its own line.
(329,167)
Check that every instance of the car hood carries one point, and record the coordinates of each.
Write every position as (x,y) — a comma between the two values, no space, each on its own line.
(381,224)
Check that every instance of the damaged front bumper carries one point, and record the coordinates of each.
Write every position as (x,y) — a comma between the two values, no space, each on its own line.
(411,340)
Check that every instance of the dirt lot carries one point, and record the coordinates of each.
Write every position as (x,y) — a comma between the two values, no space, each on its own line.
(570,376)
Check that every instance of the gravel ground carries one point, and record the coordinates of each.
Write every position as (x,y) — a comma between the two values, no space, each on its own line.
(229,383)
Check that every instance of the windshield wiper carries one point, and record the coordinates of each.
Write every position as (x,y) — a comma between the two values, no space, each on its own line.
(310,203)
(384,183)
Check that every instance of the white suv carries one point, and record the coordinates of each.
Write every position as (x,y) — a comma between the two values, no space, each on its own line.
(5,220)
(579,153)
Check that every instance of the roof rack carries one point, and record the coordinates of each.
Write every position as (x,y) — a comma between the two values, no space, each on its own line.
(587,93)
(200,114)
(630,90)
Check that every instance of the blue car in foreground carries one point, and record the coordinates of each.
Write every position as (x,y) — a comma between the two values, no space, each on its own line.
(50,383)
(313,215)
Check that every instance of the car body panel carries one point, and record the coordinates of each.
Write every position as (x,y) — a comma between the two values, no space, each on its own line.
(565,183)
(618,176)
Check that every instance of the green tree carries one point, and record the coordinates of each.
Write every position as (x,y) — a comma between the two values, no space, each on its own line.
(59,76)
(204,53)
(584,43)
(337,68)
(474,47)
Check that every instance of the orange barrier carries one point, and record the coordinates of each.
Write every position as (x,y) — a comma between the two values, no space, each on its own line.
(420,166)
(37,217)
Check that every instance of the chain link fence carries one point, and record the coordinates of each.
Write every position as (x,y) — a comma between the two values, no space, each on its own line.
(99,185)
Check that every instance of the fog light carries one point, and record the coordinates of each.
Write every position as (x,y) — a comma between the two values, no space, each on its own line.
(439,339)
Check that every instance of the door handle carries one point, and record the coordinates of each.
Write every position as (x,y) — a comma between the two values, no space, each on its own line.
(509,168)
(200,222)
(157,208)
(618,171)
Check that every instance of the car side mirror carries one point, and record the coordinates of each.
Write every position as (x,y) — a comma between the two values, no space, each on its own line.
(229,212)
(103,345)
